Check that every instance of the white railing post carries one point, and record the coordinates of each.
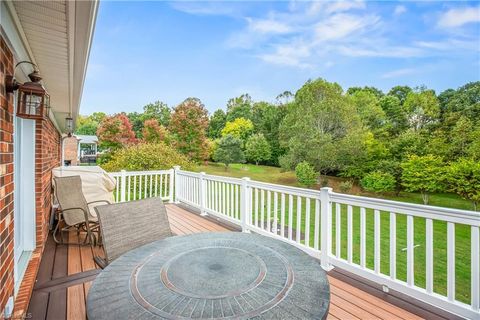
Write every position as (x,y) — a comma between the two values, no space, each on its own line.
(203,194)
(326,228)
(123,183)
(176,183)
(244,204)
(171,186)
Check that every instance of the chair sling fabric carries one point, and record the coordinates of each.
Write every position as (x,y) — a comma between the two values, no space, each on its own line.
(74,209)
(129,225)
(68,191)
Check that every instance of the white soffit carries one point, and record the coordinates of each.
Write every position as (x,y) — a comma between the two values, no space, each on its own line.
(59,34)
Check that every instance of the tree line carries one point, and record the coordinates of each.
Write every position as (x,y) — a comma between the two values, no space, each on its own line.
(410,139)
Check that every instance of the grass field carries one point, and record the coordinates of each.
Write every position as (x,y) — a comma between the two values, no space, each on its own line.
(462,233)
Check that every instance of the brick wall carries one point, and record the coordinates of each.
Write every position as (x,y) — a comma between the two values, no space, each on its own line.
(70,147)
(47,157)
(6,179)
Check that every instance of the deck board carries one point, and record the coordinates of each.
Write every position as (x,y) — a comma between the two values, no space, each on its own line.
(61,262)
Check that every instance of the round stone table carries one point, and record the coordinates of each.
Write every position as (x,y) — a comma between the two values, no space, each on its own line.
(211,275)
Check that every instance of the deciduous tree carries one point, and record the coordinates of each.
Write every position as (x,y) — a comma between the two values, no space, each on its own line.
(228,151)
(188,126)
(424,174)
(257,149)
(153,132)
(216,124)
(240,128)
(464,179)
(116,132)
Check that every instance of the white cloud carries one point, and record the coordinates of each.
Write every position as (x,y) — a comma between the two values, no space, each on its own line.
(342,25)
(289,55)
(268,26)
(399,10)
(385,51)
(205,8)
(459,16)
(327,7)
(398,73)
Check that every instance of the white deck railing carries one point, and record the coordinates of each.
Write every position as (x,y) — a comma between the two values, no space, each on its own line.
(429,253)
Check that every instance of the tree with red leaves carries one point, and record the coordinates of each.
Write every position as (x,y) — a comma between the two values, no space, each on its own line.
(188,126)
(116,132)
(153,132)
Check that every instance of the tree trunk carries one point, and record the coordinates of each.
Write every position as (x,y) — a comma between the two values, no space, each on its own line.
(475,205)
(425,197)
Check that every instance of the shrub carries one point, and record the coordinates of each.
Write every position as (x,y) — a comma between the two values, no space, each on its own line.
(286,162)
(345,186)
(306,174)
(144,157)
(378,181)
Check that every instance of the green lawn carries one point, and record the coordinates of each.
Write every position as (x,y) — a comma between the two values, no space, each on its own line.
(462,233)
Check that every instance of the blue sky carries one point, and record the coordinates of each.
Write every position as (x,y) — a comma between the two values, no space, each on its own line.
(168,51)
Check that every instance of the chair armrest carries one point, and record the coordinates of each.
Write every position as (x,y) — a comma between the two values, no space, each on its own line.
(84,212)
(96,201)
(102,263)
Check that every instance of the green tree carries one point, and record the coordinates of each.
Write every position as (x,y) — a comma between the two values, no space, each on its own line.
(157,110)
(375,91)
(397,120)
(266,120)
(239,107)
(89,128)
(257,149)
(229,150)
(216,124)
(422,108)
(400,92)
(240,128)
(369,109)
(424,174)
(379,182)
(306,174)
(463,178)
(322,128)
(188,126)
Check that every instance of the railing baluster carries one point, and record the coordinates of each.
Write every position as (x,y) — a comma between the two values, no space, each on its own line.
(475,256)
(338,230)
(349,233)
(377,241)
(156,186)
(129,190)
(282,215)
(256,207)
(393,245)
(307,222)
(262,208)
(429,255)
(237,201)
(451,261)
(290,216)
(146,183)
(363,237)
(134,187)
(275,212)
(410,244)
(269,209)
(299,220)
(316,234)
(229,194)
(151,184)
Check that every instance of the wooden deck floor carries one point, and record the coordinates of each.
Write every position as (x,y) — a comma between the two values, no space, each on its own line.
(66,273)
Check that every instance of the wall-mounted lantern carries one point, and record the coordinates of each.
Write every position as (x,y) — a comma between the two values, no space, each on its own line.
(33,99)
(69,125)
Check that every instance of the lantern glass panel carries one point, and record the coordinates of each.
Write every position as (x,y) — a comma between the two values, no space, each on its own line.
(33,104)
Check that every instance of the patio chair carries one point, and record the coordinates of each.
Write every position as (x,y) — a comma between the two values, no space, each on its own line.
(74,210)
(129,225)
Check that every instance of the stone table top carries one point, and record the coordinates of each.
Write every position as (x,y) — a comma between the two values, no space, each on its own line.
(211,275)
